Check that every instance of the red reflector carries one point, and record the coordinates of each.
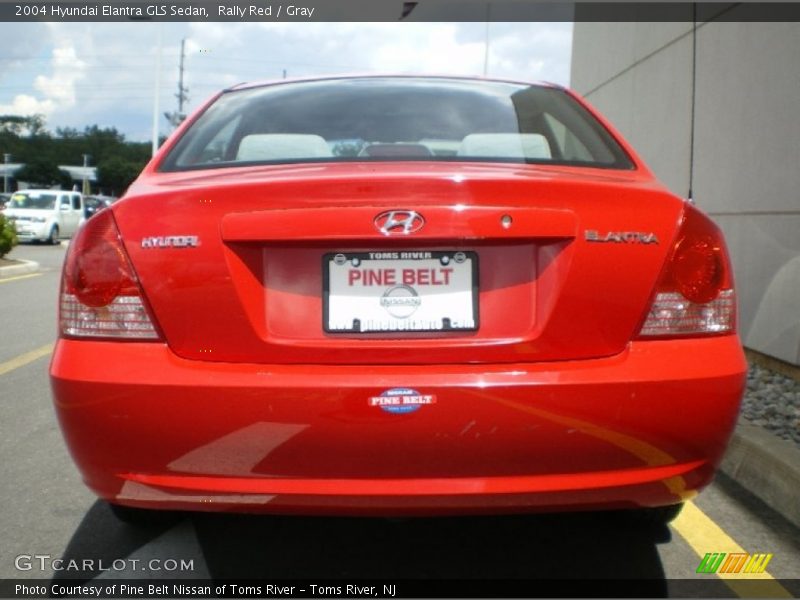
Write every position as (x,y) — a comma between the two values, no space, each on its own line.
(697,270)
(98,270)
(98,275)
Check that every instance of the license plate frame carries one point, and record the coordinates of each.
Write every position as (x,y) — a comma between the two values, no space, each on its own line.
(463,263)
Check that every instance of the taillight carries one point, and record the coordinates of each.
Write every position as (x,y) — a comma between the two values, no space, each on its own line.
(695,295)
(100,293)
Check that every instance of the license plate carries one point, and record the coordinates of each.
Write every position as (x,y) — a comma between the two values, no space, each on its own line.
(400,291)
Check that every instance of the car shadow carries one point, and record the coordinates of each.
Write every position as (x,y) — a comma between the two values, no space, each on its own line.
(559,547)
(539,546)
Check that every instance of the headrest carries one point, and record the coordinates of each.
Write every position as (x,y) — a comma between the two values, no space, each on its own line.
(396,150)
(282,146)
(505,145)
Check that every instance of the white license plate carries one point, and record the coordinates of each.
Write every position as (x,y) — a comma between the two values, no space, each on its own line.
(400,291)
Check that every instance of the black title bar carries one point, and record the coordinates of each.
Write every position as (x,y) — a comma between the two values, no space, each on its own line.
(393,10)
(382,589)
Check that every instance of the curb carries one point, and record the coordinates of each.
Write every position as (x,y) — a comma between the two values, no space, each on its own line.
(767,467)
(773,364)
(27,266)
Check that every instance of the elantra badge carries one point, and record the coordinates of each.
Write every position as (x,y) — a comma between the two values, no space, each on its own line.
(399,222)
(621,237)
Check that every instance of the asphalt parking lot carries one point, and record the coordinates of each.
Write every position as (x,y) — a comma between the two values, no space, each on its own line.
(48,512)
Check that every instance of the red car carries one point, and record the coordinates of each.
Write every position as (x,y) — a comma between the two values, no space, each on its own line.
(394,296)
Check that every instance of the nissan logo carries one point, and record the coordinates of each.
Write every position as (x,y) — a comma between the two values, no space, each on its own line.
(396,222)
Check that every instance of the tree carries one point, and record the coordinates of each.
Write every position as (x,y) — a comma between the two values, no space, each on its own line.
(40,172)
(29,142)
(118,173)
(8,236)
(67,133)
(32,125)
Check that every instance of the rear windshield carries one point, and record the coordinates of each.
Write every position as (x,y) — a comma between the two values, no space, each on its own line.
(33,200)
(380,119)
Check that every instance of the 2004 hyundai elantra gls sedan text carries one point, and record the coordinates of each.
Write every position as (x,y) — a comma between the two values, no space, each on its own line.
(397,295)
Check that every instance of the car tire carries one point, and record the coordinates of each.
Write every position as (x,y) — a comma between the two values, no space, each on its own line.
(142,517)
(52,239)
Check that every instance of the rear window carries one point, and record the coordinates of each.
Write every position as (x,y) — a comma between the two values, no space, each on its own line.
(33,200)
(380,119)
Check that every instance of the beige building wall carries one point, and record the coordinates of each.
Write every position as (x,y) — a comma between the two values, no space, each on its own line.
(744,163)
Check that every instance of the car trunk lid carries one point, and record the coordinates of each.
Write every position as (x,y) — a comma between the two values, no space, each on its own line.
(240,265)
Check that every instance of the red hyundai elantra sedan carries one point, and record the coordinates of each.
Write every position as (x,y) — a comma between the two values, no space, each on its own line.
(397,295)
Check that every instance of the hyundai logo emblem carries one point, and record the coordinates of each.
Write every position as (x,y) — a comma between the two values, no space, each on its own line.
(399,222)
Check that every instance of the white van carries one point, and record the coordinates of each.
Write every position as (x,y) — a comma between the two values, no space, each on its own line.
(45,215)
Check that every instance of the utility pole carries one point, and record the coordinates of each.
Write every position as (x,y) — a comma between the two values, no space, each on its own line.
(6,160)
(486,41)
(182,94)
(85,188)
(156,92)
(176,118)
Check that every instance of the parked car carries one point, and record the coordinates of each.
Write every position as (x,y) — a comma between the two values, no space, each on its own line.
(394,296)
(94,204)
(45,215)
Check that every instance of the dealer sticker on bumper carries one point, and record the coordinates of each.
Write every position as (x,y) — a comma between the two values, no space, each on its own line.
(401,400)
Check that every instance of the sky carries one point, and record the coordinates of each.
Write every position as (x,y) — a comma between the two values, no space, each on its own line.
(79,74)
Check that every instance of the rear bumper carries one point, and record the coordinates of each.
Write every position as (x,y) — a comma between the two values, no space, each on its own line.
(33,231)
(644,428)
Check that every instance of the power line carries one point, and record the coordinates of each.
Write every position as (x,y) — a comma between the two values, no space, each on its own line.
(78,61)
(77,58)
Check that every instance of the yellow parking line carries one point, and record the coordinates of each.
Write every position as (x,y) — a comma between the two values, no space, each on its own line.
(704,536)
(649,454)
(693,525)
(18,277)
(24,359)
